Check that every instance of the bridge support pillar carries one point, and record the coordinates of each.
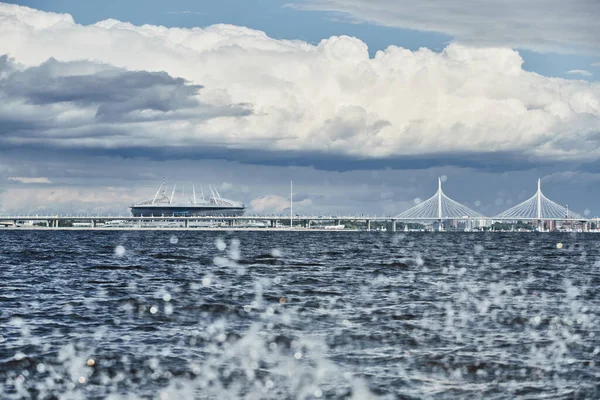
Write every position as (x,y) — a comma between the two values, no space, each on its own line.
(394,225)
(368,225)
(230,222)
(15,223)
(308,224)
(93,224)
(185,223)
(440,226)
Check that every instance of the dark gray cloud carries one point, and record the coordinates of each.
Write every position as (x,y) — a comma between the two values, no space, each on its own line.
(115,92)
(73,104)
(495,162)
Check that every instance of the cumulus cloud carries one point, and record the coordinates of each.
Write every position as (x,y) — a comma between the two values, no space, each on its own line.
(581,72)
(328,98)
(24,179)
(543,25)
(274,204)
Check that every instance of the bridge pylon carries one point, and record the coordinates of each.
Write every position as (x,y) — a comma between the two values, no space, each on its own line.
(438,207)
(539,208)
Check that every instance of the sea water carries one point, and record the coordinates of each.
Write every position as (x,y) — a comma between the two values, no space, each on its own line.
(298,315)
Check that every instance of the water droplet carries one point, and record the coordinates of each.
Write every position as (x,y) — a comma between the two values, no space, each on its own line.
(298,355)
(206,281)
(41,368)
(559,245)
(153,310)
(167,297)
(91,362)
(318,393)
(417,200)
(443,178)
(276,253)
(277,280)
(477,203)
(247,308)
(119,250)
(220,244)
(173,239)
(81,379)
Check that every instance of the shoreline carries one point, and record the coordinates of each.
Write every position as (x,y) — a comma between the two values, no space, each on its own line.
(225,229)
(252,229)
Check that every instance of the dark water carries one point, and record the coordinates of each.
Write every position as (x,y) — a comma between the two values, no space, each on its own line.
(280,315)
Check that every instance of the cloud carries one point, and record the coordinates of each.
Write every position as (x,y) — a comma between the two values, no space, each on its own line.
(82,104)
(581,72)
(66,200)
(186,12)
(274,101)
(597,64)
(29,179)
(226,186)
(274,204)
(546,25)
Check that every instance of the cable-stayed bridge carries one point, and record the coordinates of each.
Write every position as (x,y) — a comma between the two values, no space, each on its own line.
(436,210)
(438,207)
(441,207)
(539,207)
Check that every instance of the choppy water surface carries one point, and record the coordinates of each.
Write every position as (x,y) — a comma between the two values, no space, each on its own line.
(252,315)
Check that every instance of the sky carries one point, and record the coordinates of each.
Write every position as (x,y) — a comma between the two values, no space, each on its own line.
(363,104)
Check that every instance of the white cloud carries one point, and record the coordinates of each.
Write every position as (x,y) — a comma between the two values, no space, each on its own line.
(545,25)
(226,186)
(597,64)
(274,204)
(581,72)
(329,98)
(83,200)
(269,204)
(185,12)
(29,179)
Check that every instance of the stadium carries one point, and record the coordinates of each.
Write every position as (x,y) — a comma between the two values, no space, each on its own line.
(162,205)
